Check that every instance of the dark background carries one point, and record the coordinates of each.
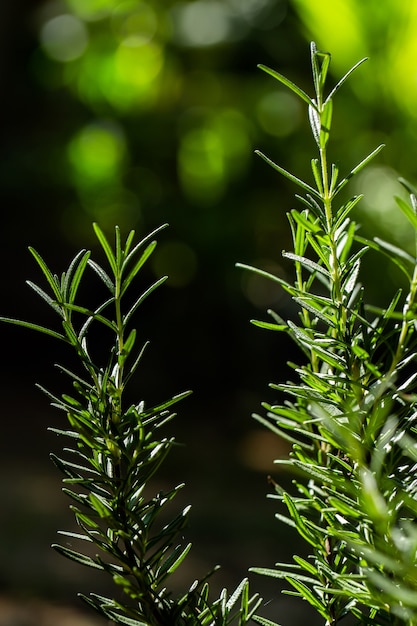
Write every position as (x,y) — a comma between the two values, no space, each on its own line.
(139,113)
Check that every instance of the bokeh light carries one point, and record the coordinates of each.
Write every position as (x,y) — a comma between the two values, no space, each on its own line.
(135,22)
(279,113)
(212,154)
(205,23)
(91,10)
(64,38)
(96,154)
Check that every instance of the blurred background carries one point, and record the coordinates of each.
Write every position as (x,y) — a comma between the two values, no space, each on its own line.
(141,112)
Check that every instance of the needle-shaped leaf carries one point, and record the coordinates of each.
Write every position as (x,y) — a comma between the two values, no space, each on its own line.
(324,68)
(139,263)
(37,327)
(344,79)
(312,266)
(315,69)
(407,210)
(315,125)
(269,325)
(143,297)
(325,123)
(52,280)
(288,175)
(118,249)
(94,315)
(358,168)
(315,167)
(288,83)
(142,242)
(76,272)
(77,557)
(52,303)
(106,247)
(172,562)
(103,275)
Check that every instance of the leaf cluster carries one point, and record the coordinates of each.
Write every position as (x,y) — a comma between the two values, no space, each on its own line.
(350,414)
(115,450)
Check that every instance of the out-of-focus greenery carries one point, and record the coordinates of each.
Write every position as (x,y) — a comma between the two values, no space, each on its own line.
(164,106)
(139,112)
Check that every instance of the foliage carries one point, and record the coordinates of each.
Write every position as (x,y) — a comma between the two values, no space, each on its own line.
(116,449)
(350,416)
(350,419)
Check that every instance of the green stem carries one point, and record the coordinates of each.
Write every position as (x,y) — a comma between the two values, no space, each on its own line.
(401,346)
(334,262)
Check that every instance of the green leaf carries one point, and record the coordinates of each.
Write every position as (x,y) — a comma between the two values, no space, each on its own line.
(143,297)
(308,567)
(78,274)
(314,119)
(122,619)
(344,78)
(136,363)
(310,305)
(53,282)
(164,405)
(407,210)
(103,275)
(305,221)
(345,209)
(334,178)
(399,252)
(133,272)
(387,250)
(141,243)
(101,505)
(326,58)
(118,249)
(308,595)
(288,175)
(238,592)
(129,241)
(282,573)
(315,167)
(106,247)
(77,557)
(269,325)
(50,301)
(315,69)
(325,124)
(40,329)
(288,83)
(312,266)
(358,168)
(173,561)
(299,521)
(93,315)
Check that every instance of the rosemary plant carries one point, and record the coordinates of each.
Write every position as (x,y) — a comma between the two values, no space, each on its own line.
(116,448)
(350,415)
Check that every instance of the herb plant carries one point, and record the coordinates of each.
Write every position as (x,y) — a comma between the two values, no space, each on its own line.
(115,449)
(349,416)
